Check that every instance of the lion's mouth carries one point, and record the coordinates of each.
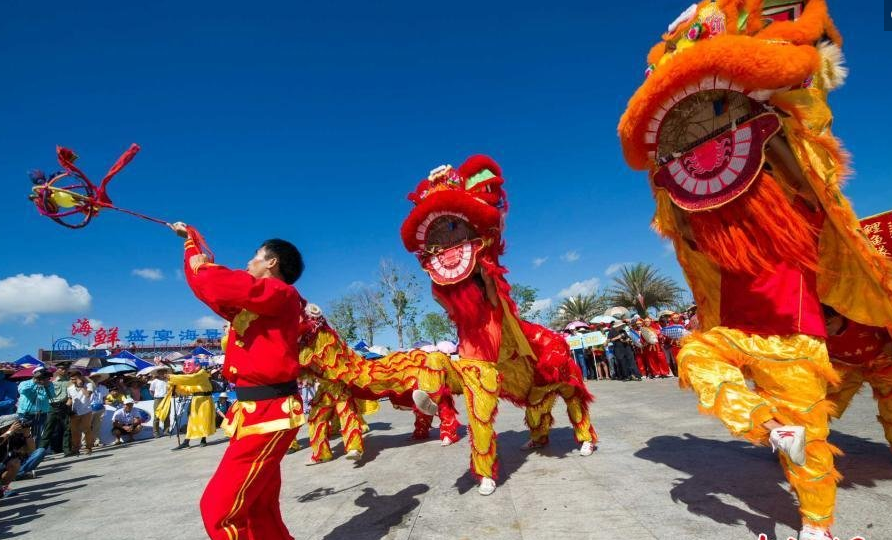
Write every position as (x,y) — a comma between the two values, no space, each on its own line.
(449,246)
(710,143)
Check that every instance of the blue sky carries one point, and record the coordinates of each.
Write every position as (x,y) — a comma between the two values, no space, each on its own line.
(313,122)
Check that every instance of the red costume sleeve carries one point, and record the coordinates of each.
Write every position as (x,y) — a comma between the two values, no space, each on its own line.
(229,291)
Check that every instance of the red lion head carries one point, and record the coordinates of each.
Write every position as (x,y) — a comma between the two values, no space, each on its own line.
(458,214)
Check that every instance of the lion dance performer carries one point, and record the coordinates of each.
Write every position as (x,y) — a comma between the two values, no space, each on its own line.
(456,229)
(733,124)
(860,354)
(193,382)
(350,387)
(267,319)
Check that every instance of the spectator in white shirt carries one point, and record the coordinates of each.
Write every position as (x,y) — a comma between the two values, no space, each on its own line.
(126,422)
(158,388)
(97,406)
(80,393)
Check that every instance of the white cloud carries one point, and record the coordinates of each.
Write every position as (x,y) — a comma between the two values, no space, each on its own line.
(95,324)
(152,274)
(570,256)
(539,261)
(586,287)
(356,285)
(541,305)
(209,321)
(668,248)
(179,274)
(6,343)
(614,268)
(32,295)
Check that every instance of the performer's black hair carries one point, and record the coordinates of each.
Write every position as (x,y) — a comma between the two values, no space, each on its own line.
(291,263)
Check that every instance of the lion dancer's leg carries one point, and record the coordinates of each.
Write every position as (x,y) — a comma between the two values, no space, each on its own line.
(538,417)
(481,388)
(321,413)
(423,424)
(577,401)
(787,408)
(881,382)
(449,423)
(351,428)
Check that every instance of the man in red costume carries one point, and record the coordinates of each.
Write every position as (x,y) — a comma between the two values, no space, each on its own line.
(267,318)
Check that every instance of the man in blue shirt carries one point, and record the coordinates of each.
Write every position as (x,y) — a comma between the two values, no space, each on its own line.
(34,400)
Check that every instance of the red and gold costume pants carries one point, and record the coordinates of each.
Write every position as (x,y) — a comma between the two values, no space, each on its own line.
(791,376)
(878,374)
(333,402)
(241,501)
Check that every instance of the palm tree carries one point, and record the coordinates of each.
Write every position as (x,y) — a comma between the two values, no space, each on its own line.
(578,308)
(642,286)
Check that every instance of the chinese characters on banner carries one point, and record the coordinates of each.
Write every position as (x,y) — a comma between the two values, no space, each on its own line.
(878,230)
(81,327)
(104,336)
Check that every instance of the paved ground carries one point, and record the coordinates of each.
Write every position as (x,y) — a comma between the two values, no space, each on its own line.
(661,471)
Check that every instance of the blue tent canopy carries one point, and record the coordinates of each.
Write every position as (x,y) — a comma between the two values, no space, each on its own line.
(360,345)
(137,361)
(28,360)
(201,350)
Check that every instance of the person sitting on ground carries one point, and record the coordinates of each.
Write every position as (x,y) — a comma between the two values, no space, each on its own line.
(13,450)
(126,422)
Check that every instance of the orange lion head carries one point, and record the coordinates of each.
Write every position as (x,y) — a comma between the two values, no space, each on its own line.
(701,120)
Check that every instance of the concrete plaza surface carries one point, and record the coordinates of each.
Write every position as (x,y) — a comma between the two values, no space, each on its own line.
(661,471)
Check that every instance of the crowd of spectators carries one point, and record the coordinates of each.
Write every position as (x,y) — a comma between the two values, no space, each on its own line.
(60,410)
(634,348)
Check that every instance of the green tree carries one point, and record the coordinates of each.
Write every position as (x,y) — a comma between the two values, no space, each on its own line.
(643,287)
(343,319)
(436,327)
(400,290)
(578,308)
(525,296)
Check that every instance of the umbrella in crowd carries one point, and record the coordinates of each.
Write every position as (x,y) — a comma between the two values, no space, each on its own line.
(116,368)
(151,369)
(28,372)
(665,313)
(618,313)
(87,363)
(576,324)
(603,319)
(123,361)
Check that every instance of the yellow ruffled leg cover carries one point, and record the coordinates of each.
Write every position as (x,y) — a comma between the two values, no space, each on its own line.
(321,413)
(351,425)
(577,410)
(841,394)
(481,388)
(538,415)
(791,375)
(881,382)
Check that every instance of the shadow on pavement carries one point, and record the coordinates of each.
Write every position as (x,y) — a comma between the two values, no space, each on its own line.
(321,493)
(32,499)
(381,514)
(726,468)
(752,475)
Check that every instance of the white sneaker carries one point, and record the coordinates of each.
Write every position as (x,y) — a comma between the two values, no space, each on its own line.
(353,455)
(487,486)
(532,445)
(447,441)
(791,441)
(587,448)
(424,402)
(810,532)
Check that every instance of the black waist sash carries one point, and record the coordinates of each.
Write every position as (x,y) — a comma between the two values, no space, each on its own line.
(270,391)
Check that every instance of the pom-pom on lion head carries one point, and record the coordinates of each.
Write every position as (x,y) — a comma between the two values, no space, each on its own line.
(458,214)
